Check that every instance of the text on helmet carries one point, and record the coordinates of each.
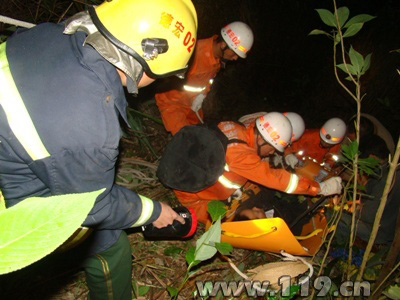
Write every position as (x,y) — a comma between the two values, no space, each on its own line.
(166,20)
(232,36)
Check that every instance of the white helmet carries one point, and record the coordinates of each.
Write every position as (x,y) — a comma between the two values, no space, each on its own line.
(248,119)
(239,37)
(333,131)
(275,128)
(297,123)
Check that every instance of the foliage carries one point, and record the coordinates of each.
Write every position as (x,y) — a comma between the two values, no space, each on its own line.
(206,246)
(31,236)
(365,165)
(135,120)
(393,292)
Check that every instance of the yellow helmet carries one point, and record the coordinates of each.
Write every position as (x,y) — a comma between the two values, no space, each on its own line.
(159,34)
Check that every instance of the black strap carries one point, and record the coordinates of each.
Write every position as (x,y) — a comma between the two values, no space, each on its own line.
(236,141)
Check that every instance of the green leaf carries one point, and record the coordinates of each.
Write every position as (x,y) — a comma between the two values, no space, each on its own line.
(337,39)
(172,251)
(290,292)
(36,226)
(317,32)
(173,292)
(353,29)
(359,19)
(356,60)
(343,15)
(216,209)
(143,290)
(393,292)
(367,63)
(327,17)
(204,249)
(349,66)
(224,248)
(349,78)
(190,255)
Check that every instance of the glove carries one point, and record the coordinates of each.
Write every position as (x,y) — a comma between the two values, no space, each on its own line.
(331,186)
(291,160)
(197,102)
(277,160)
(236,195)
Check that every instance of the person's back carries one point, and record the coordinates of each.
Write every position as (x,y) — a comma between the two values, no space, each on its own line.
(54,73)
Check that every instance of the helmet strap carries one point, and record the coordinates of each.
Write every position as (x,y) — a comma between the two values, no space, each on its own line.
(222,59)
(258,145)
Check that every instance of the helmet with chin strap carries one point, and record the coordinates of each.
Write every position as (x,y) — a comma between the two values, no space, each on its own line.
(238,37)
(159,34)
(275,129)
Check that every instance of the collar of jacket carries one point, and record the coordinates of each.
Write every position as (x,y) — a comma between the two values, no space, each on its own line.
(121,60)
(250,138)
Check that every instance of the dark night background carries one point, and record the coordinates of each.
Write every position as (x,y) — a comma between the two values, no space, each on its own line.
(286,70)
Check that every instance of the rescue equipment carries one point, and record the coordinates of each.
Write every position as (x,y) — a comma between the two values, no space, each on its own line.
(176,229)
(274,235)
(309,168)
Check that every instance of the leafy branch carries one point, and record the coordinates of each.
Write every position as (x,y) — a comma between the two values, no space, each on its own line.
(206,246)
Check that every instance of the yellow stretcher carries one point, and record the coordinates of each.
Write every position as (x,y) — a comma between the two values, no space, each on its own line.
(274,235)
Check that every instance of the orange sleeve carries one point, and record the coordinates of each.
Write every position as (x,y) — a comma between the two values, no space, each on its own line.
(244,161)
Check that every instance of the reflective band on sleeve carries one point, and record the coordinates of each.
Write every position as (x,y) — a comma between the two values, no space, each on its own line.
(147,211)
(293,182)
(226,168)
(193,89)
(17,115)
(227,183)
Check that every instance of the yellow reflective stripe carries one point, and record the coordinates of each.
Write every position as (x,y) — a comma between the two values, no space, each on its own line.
(227,183)
(293,182)
(17,115)
(147,211)
(107,276)
(193,89)
(226,168)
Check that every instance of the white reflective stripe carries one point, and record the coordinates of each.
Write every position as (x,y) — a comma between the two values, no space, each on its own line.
(147,211)
(17,115)
(293,182)
(226,168)
(211,81)
(227,183)
(193,89)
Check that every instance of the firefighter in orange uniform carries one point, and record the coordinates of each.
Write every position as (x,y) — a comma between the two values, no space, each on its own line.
(318,143)
(262,138)
(180,108)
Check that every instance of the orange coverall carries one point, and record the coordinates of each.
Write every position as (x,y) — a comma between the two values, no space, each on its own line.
(244,164)
(175,105)
(309,143)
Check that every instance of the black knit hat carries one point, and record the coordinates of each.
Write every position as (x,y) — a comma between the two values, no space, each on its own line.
(194,159)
